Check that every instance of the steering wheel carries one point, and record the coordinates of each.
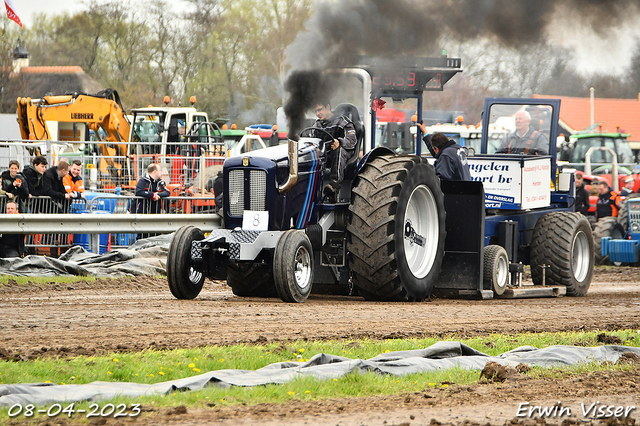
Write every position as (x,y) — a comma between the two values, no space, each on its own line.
(324,145)
(318,130)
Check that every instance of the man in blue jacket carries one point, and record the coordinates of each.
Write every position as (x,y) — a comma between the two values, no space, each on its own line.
(451,160)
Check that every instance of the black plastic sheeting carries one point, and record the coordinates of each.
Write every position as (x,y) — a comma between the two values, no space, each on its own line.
(440,356)
(145,257)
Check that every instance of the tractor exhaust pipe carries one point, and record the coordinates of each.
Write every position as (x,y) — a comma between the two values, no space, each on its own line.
(293,166)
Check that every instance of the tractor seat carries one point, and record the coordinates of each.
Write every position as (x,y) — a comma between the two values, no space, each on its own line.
(350,112)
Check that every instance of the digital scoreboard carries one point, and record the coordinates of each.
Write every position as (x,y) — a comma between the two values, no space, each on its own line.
(409,74)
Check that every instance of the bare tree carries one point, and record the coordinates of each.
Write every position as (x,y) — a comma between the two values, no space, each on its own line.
(8,42)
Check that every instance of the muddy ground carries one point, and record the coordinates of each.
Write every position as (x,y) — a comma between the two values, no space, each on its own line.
(134,314)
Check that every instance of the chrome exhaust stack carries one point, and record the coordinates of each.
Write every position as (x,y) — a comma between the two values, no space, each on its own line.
(293,166)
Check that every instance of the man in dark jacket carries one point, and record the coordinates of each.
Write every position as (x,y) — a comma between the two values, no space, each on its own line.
(14,185)
(33,173)
(152,188)
(341,147)
(451,160)
(11,245)
(53,187)
(582,195)
(608,201)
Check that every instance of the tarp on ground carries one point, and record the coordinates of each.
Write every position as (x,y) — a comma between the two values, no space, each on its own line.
(146,257)
(440,356)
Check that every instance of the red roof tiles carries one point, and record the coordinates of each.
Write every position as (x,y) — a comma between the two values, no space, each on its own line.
(51,70)
(625,113)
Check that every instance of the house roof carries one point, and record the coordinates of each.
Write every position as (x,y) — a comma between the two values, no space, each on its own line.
(51,70)
(612,113)
(36,82)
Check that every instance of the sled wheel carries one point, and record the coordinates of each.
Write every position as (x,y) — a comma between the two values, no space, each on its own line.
(397,229)
(564,243)
(249,279)
(293,267)
(184,275)
(496,269)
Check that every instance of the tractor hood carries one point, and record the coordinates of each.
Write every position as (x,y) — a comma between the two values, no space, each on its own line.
(277,154)
(266,179)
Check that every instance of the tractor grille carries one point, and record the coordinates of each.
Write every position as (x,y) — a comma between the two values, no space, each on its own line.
(236,192)
(258,185)
(257,191)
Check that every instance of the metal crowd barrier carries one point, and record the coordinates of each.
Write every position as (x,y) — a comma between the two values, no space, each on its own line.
(604,167)
(188,169)
(106,221)
(50,244)
(184,165)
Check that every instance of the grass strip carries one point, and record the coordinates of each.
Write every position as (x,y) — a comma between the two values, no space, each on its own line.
(152,366)
(5,279)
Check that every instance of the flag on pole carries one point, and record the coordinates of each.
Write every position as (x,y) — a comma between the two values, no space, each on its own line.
(11,14)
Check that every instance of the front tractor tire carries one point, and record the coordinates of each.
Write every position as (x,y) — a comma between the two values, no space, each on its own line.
(185,276)
(397,229)
(563,242)
(293,266)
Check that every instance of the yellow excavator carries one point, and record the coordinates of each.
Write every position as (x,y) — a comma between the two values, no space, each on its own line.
(80,119)
(102,113)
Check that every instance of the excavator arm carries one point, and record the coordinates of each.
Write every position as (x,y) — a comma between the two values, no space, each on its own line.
(102,113)
(94,110)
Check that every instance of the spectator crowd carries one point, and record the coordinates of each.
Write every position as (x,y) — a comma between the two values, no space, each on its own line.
(41,189)
(608,200)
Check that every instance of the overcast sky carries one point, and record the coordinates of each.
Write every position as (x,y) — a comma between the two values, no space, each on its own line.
(26,9)
(592,53)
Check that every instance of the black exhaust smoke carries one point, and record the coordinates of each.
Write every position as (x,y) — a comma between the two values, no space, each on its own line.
(389,28)
(305,88)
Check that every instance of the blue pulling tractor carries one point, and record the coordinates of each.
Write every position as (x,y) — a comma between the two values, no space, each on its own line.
(396,232)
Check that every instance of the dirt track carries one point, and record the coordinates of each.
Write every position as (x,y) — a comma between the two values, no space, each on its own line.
(123,315)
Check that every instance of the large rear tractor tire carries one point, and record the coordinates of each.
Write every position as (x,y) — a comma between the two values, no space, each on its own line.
(396,231)
(250,279)
(496,269)
(606,227)
(184,275)
(563,242)
(293,266)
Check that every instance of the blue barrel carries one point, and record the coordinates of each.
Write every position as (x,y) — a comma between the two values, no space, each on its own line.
(84,240)
(106,201)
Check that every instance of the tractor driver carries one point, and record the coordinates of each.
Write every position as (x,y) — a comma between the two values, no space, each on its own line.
(342,147)
(525,139)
